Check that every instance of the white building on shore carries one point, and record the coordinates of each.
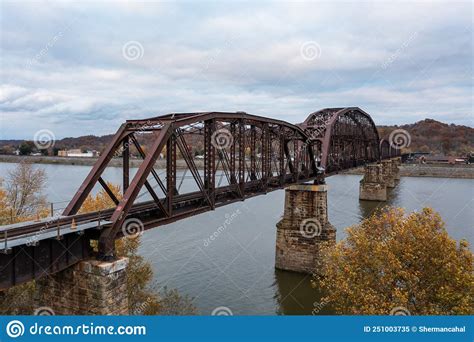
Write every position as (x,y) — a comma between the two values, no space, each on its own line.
(77,153)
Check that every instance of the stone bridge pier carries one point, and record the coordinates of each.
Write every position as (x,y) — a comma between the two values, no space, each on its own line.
(388,175)
(303,229)
(396,162)
(90,287)
(372,186)
(377,178)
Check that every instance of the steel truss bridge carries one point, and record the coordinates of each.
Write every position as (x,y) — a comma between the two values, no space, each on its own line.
(244,156)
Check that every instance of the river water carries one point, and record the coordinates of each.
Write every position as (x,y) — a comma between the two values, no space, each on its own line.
(236,270)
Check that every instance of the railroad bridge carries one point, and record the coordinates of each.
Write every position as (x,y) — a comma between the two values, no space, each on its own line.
(244,156)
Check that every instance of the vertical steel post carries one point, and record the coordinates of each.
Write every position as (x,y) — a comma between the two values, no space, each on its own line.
(253,152)
(209,160)
(126,162)
(233,132)
(170,171)
(242,157)
(281,148)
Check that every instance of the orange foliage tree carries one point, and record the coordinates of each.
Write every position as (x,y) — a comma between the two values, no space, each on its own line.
(142,297)
(21,197)
(393,260)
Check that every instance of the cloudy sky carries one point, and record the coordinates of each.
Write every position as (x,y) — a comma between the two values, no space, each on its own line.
(84,67)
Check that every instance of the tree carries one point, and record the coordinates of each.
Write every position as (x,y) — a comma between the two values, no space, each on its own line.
(391,260)
(26,147)
(7,149)
(446,145)
(21,200)
(174,304)
(5,211)
(23,186)
(142,298)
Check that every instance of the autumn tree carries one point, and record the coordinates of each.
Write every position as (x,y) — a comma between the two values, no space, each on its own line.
(23,186)
(395,260)
(143,299)
(5,210)
(21,199)
(18,300)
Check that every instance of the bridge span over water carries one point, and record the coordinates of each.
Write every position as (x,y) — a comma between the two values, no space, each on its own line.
(244,156)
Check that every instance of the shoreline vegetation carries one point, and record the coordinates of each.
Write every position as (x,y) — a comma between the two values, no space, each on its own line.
(406,170)
(463,171)
(145,295)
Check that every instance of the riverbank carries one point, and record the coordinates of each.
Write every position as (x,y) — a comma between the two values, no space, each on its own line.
(406,170)
(115,162)
(428,170)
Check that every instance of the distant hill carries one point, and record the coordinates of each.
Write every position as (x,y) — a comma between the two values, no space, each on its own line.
(437,137)
(426,136)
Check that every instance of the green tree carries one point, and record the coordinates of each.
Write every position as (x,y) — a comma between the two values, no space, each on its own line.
(26,147)
(395,260)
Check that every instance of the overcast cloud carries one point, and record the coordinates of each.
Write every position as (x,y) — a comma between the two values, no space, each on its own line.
(85,67)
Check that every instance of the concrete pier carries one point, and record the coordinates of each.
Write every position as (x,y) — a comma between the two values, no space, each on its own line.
(303,229)
(388,176)
(372,187)
(89,287)
(396,162)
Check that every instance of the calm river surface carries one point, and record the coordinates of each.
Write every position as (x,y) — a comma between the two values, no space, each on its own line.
(236,270)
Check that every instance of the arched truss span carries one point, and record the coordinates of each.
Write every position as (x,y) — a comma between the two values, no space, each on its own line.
(388,150)
(345,137)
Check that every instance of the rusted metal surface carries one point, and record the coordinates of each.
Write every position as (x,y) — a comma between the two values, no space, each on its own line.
(347,137)
(34,261)
(244,156)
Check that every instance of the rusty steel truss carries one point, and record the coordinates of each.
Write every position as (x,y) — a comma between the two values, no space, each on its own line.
(254,154)
(243,156)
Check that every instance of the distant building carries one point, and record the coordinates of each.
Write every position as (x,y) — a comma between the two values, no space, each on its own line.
(77,153)
(413,157)
(442,159)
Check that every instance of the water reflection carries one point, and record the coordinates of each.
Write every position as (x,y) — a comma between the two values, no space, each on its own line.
(367,208)
(295,295)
